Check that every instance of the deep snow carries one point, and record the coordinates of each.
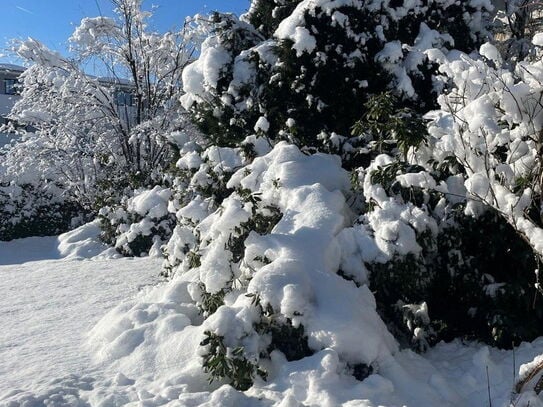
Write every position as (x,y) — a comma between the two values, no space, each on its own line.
(48,306)
(55,350)
(50,297)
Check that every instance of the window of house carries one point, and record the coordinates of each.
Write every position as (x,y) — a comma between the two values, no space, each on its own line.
(123,98)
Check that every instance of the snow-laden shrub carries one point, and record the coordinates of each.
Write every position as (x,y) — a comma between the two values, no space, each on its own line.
(266,15)
(139,225)
(459,223)
(36,209)
(490,125)
(355,79)
(437,273)
(265,269)
(303,71)
(99,139)
(200,186)
(145,218)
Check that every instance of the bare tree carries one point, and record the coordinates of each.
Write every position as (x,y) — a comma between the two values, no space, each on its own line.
(112,129)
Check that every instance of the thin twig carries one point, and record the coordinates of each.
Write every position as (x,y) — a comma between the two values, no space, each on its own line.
(488,387)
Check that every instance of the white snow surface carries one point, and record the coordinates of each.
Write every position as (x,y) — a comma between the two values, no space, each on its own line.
(152,203)
(48,306)
(80,243)
(81,327)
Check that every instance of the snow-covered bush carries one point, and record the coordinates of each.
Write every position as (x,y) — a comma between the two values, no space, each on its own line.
(200,185)
(36,209)
(353,79)
(490,126)
(145,218)
(140,225)
(264,264)
(439,274)
(305,73)
(460,222)
(97,139)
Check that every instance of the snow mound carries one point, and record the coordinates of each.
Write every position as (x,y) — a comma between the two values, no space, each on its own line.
(80,243)
(158,334)
(84,243)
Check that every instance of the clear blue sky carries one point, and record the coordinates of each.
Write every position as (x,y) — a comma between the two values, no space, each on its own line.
(53,21)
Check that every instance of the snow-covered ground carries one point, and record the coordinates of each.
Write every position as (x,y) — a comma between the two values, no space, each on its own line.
(48,306)
(50,297)
(104,331)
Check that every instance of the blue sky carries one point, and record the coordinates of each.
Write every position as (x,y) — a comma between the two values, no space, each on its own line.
(53,21)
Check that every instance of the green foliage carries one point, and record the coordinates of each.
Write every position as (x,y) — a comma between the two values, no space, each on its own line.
(140,246)
(389,125)
(494,285)
(227,130)
(193,259)
(216,187)
(221,362)
(113,226)
(262,221)
(219,121)
(477,279)
(130,232)
(386,177)
(285,337)
(110,191)
(290,340)
(31,210)
(266,15)
(329,90)
(210,302)
(360,371)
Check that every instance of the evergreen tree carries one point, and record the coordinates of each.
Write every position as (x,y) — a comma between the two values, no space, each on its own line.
(309,68)
(355,79)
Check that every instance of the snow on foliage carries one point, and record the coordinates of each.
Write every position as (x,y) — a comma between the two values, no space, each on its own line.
(282,271)
(141,224)
(289,277)
(297,57)
(99,138)
(490,122)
